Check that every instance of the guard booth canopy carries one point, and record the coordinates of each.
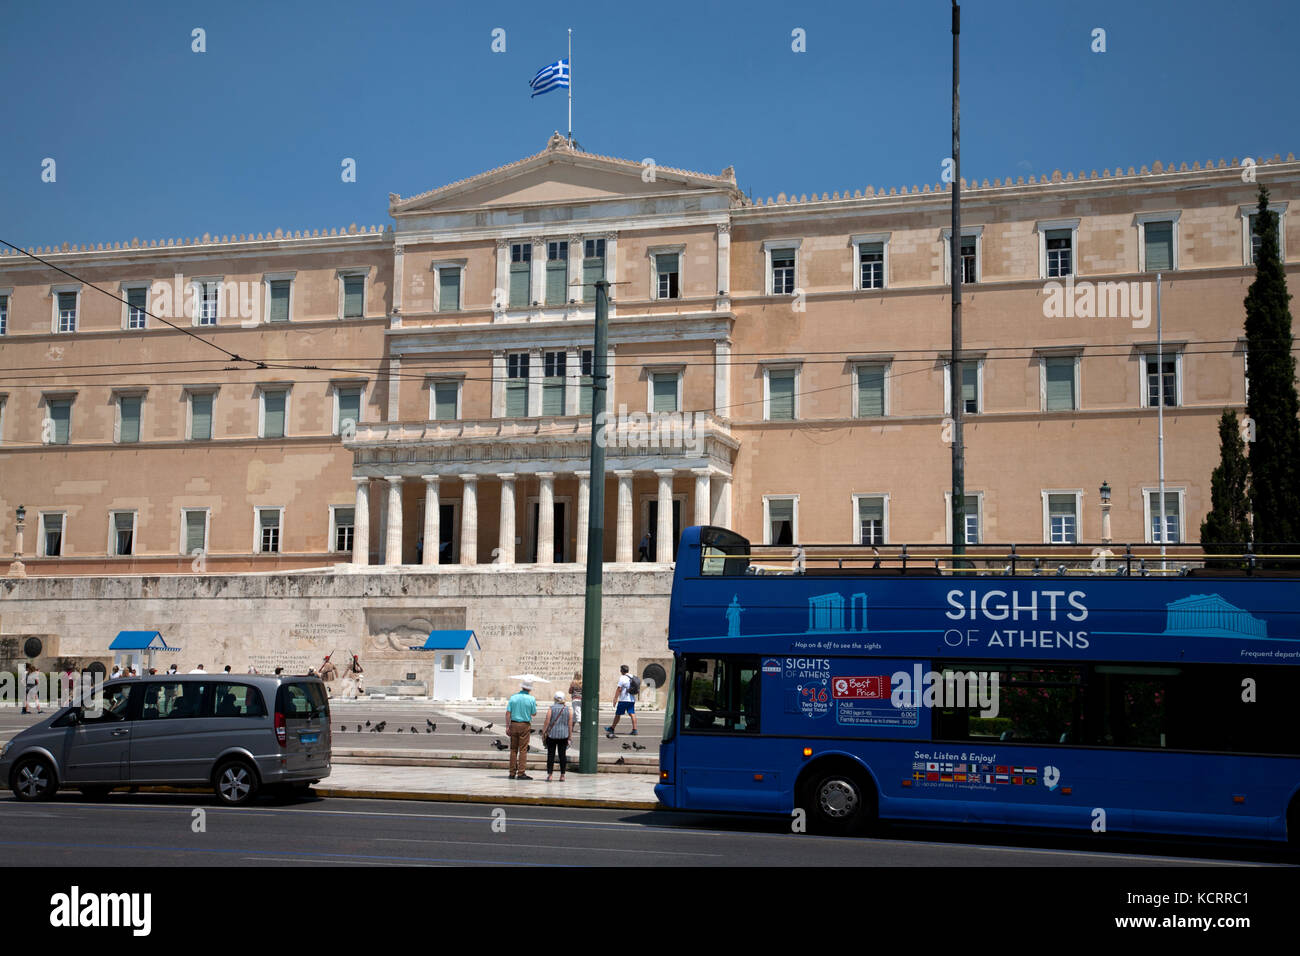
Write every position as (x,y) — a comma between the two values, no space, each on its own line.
(453,663)
(137,649)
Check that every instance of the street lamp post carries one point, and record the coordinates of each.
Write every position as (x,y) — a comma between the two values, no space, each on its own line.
(1105,513)
(16,569)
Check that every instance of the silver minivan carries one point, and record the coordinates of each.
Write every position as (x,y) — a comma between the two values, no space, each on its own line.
(239,734)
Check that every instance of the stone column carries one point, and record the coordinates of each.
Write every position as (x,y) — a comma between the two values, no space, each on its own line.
(432,516)
(724,258)
(537,272)
(701,495)
(498,384)
(722,503)
(469,520)
(361,523)
(393,540)
(394,388)
(584,516)
(546,518)
(722,378)
(623,537)
(664,531)
(398,279)
(506,526)
(573,288)
(535,383)
(501,293)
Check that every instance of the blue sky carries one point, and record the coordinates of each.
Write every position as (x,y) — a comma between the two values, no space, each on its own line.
(153,140)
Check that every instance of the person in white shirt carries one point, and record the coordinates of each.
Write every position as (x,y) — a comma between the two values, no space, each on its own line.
(117,671)
(624,702)
(198,670)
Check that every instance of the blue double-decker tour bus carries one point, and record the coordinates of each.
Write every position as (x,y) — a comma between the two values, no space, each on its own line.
(1024,696)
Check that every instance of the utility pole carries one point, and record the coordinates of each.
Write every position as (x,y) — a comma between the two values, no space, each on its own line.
(955,369)
(595,541)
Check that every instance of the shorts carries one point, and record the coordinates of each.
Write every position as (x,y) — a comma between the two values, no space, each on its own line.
(625,707)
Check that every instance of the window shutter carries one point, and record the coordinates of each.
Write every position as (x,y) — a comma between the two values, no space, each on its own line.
(195,526)
(517,399)
(449,290)
(553,396)
(280,301)
(130,412)
(1060,384)
(61,413)
(349,406)
(273,419)
(871,391)
(201,417)
(354,296)
(444,401)
(780,396)
(592,269)
(1160,246)
(557,274)
(665,393)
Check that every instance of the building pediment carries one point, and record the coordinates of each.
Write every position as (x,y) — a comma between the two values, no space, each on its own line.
(557,175)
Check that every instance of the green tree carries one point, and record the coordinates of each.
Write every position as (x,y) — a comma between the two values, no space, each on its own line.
(1227,527)
(1272,404)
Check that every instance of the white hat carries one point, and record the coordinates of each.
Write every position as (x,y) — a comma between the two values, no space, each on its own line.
(527,685)
(559,695)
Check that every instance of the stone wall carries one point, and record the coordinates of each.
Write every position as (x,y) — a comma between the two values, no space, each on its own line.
(528,621)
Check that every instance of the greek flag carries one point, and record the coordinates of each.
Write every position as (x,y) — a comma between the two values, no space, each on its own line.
(551,77)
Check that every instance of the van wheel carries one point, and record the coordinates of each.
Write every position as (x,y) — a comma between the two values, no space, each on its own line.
(235,783)
(840,801)
(95,793)
(33,779)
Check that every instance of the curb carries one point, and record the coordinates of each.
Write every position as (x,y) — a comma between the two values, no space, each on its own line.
(538,801)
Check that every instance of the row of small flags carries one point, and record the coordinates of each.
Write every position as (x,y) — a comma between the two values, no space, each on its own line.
(936,771)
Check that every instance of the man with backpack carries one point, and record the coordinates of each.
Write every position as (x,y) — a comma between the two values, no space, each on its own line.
(625,699)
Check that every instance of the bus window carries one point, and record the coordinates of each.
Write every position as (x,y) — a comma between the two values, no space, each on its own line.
(1132,707)
(723,553)
(722,695)
(1035,703)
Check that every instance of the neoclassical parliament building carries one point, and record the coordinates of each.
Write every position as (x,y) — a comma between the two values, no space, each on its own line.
(418,394)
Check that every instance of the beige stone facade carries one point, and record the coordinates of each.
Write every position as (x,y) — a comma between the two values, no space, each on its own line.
(360,375)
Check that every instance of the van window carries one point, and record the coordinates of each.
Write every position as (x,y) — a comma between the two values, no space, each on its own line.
(169,700)
(117,701)
(238,700)
(302,700)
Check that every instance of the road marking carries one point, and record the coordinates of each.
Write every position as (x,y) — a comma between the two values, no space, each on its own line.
(548,846)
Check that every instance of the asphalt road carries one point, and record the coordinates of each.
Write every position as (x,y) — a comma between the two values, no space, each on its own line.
(128,830)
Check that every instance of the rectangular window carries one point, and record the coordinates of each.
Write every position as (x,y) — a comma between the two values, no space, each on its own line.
(1059,384)
(968,270)
(136,303)
(1154,381)
(52,529)
(278,310)
(871,264)
(349,400)
(553,383)
(517,385)
(4,314)
(444,401)
(354,297)
(1059,253)
(782,271)
(67,311)
(1254,239)
(129,411)
(123,532)
(268,530)
(584,396)
(344,522)
(201,416)
(196,531)
(780,520)
(666,275)
(60,412)
(208,299)
(780,395)
(1172,522)
(557,273)
(970,381)
(871,520)
(971,517)
(593,267)
(722,695)
(665,392)
(449,289)
(871,391)
(273,408)
(1062,519)
(521,259)
(1159,241)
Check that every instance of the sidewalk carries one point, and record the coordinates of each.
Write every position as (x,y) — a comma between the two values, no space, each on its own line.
(630,791)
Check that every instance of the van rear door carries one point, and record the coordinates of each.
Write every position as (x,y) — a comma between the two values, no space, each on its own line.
(305,710)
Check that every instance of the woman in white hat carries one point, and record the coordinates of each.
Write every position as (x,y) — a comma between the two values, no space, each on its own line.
(556,733)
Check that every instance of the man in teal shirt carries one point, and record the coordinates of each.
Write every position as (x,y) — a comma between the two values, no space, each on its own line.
(519,713)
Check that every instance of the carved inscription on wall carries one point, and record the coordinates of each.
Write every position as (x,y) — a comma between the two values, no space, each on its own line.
(293,662)
(556,666)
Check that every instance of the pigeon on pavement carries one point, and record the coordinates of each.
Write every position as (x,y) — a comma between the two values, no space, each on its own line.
(367,723)
(637,746)
(610,736)
(430,724)
(499,745)
(620,760)
(464,726)
(489,727)
(399,730)
(626,745)
(414,731)
(477,730)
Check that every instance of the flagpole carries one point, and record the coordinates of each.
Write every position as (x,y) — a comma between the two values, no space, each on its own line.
(570,86)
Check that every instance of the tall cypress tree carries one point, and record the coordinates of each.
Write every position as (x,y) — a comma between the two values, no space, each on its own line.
(1227,527)
(1272,403)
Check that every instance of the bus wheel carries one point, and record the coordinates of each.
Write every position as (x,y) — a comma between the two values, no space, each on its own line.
(840,800)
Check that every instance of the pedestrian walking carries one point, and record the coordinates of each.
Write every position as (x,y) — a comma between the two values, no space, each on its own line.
(33,689)
(172,670)
(624,699)
(556,733)
(198,670)
(575,695)
(117,671)
(644,550)
(519,716)
(227,668)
